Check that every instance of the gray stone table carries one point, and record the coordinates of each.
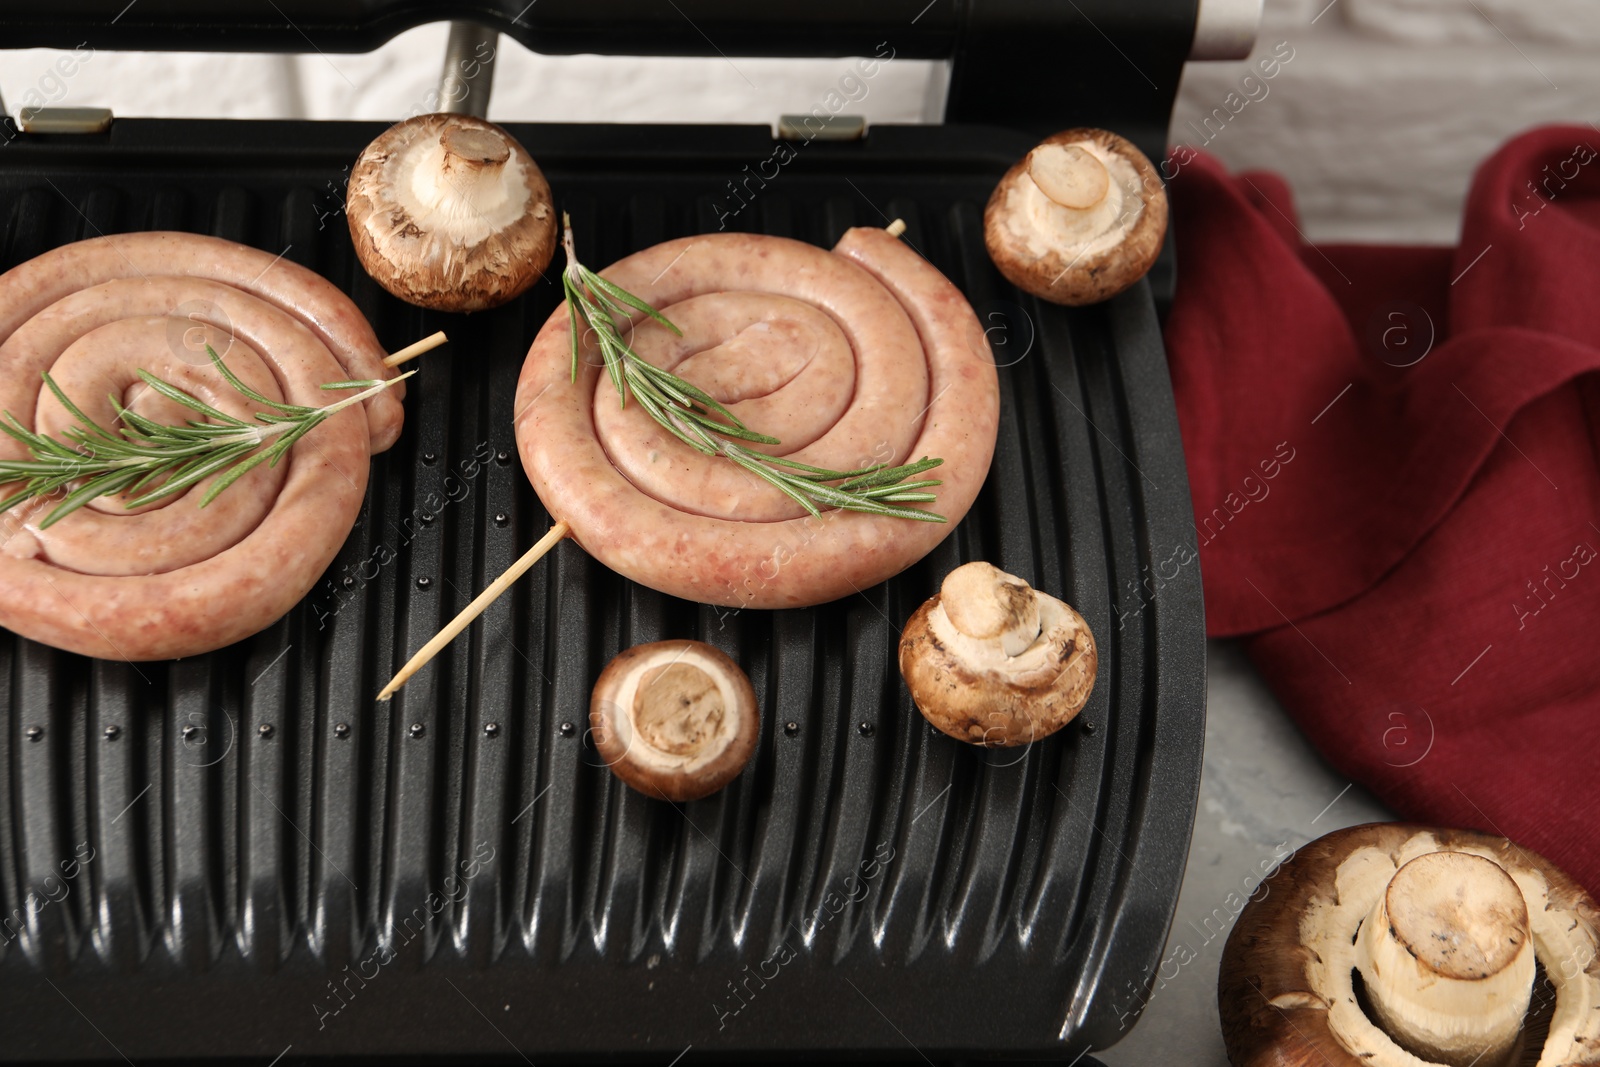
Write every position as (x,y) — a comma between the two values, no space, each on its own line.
(1263,793)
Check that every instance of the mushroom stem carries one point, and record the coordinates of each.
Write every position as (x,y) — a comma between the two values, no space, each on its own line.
(474,609)
(1447,960)
(1068,175)
(412,351)
(466,177)
(678,709)
(985,603)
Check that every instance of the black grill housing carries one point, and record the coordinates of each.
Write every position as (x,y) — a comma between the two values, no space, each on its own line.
(250,854)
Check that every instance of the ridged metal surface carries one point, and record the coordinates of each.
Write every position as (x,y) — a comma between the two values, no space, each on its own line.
(455,871)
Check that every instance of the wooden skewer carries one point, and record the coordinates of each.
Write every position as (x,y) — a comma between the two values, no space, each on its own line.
(427,344)
(516,570)
(474,609)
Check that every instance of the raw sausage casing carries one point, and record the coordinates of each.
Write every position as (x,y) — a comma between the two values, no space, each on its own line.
(172,579)
(863,355)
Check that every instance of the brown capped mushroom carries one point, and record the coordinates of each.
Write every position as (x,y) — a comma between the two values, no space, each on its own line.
(992,661)
(449,212)
(1393,945)
(1078,219)
(676,720)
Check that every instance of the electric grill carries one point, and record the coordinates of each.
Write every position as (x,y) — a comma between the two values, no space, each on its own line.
(279,865)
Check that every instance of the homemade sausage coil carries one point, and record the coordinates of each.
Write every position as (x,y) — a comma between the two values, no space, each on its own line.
(172,579)
(860,356)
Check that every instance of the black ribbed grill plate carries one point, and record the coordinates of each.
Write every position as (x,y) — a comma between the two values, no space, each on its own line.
(278,860)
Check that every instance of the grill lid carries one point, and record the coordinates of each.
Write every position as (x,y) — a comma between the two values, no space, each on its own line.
(1027,65)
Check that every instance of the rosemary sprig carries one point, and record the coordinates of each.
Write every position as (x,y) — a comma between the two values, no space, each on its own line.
(152,461)
(696,418)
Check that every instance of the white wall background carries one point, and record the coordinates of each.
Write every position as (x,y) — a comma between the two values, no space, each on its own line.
(1377,121)
(1388,105)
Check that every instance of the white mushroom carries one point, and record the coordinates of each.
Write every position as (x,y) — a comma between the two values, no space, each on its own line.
(992,661)
(1391,945)
(676,720)
(1079,219)
(449,212)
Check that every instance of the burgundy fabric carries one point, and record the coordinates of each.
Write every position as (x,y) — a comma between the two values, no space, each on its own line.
(1392,453)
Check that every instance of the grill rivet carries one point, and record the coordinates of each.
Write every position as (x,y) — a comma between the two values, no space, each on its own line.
(502,457)
(791,727)
(491,729)
(113,732)
(426,517)
(501,518)
(190,731)
(1088,727)
(567,729)
(264,730)
(429,458)
(417,729)
(423,581)
(34,732)
(866,729)
(341,729)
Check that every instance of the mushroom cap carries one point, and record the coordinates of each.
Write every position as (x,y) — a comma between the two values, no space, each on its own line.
(449,212)
(1285,990)
(974,686)
(1078,219)
(676,720)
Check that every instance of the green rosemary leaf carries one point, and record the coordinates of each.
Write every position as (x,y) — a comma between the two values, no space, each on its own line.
(151,461)
(782,483)
(195,470)
(572,322)
(35,442)
(149,432)
(193,403)
(884,492)
(155,476)
(611,346)
(233,475)
(93,428)
(672,426)
(628,298)
(693,392)
(281,447)
(822,474)
(240,387)
(888,475)
(700,421)
(103,485)
(717,426)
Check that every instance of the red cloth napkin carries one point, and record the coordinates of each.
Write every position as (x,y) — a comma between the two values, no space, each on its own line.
(1392,454)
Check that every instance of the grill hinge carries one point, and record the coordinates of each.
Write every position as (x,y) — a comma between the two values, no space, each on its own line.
(814,127)
(65,119)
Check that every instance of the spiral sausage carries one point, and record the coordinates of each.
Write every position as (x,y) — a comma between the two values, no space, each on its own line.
(172,579)
(863,355)
(315,301)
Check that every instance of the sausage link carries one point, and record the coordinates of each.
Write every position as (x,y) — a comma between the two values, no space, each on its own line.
(878,294)
(172,579)
(32,286)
